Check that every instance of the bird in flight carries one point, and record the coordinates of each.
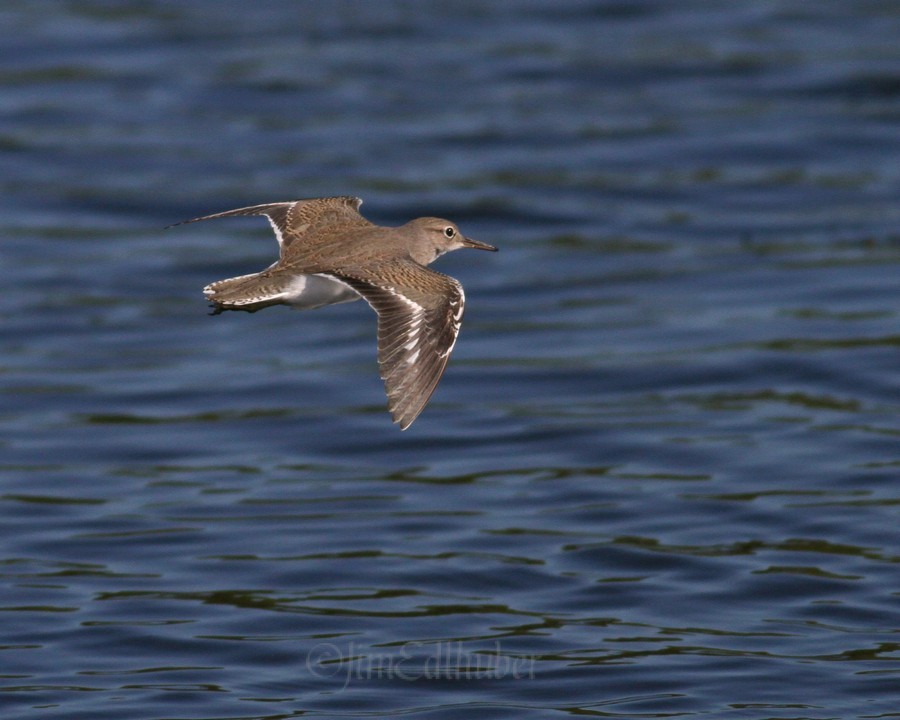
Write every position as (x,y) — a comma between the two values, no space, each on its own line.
(329,253)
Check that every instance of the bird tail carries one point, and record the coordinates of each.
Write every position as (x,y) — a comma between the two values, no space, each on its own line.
(247,292)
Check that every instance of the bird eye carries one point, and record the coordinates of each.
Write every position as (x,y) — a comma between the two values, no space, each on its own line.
(449,231)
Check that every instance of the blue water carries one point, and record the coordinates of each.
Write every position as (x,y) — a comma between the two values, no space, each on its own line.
(660,476)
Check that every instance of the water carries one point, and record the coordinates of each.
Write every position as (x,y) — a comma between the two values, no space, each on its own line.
(659,477)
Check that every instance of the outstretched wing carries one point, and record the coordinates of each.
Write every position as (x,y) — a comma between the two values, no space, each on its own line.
(419,315)
(292,220)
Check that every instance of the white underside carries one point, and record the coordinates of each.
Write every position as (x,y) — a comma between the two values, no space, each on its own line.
(312,291)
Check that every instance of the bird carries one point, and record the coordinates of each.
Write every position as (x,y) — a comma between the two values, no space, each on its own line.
(329,253)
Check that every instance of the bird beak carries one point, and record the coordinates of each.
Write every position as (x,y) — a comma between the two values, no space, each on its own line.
(469,242)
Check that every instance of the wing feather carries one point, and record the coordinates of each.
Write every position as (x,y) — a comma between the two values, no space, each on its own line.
(419,316)
(292,220)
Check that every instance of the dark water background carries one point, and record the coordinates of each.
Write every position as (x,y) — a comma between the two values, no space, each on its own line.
(660,477)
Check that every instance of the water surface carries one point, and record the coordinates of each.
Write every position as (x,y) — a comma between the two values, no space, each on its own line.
(659,477)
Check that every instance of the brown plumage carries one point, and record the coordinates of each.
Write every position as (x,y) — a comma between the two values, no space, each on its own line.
(329,253)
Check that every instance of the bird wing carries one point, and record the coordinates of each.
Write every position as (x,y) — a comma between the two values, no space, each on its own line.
(294,220)
(419,316)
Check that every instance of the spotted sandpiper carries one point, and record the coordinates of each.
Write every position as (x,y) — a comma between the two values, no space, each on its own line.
(329,254)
